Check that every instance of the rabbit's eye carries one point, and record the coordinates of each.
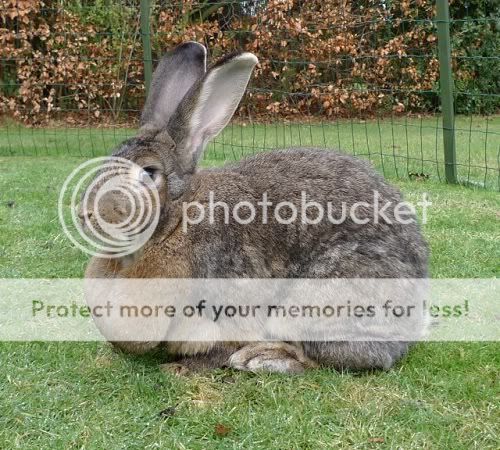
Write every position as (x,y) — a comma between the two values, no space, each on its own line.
(148,173)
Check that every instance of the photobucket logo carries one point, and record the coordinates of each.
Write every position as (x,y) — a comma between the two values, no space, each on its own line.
(109,207)
(307,211)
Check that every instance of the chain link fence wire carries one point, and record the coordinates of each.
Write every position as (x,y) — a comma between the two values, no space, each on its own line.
(359,76)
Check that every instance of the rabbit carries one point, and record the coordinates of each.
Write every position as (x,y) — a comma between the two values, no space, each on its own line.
(187,106)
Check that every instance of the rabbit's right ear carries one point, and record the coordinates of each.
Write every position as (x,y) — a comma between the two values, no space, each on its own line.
(176,73)
(208,107)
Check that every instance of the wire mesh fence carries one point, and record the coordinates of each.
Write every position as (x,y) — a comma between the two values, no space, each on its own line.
(360,76)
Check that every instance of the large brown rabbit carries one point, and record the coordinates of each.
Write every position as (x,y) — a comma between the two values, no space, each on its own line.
(188,106)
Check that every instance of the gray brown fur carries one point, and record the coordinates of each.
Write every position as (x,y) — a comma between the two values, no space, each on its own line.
(261,250)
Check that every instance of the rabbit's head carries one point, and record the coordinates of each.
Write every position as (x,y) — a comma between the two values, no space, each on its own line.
(186,107)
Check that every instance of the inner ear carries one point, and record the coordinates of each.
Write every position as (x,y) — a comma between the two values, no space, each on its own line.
(208,107)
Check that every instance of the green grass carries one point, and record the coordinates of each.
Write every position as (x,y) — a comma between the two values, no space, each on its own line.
(396,146)
(85,395)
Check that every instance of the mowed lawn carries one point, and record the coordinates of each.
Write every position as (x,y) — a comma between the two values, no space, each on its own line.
(87,396)
(396,146)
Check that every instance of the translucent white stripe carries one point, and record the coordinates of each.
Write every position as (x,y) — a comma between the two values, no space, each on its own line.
(249,309)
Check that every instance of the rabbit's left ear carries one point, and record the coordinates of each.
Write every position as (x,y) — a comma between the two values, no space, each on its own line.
(175,75)
(209,106)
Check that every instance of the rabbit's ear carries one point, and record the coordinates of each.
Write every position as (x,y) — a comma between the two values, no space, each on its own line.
(209,106)
(176,73)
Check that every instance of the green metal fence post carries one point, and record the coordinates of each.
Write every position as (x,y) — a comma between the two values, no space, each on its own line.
(446,90)
(146,42)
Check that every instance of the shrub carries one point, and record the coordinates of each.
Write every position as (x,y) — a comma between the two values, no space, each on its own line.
(82,60)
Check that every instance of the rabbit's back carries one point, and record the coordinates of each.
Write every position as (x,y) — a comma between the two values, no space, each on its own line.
(299,249)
